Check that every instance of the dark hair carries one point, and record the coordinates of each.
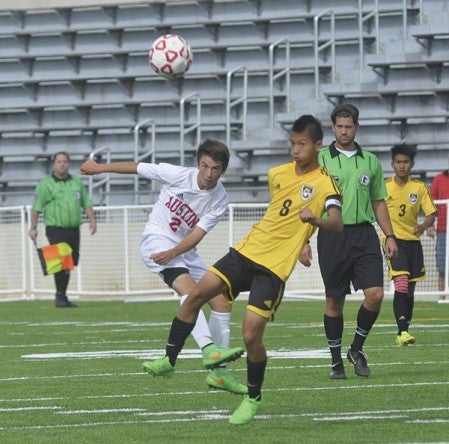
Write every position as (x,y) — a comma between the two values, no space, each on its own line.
(404,149)
(215,150)
(345,110)
(63,153)
(308,123)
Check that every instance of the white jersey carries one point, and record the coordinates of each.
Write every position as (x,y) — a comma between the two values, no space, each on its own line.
(182,205)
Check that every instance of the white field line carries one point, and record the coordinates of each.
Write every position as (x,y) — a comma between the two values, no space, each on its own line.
(269,368)
(201,415)
(218,393)
(83,325)
(186,353)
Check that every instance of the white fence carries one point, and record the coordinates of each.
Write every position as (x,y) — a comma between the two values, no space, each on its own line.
(111,267)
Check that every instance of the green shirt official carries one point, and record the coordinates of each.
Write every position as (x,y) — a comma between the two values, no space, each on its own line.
(61,201)
(360,179)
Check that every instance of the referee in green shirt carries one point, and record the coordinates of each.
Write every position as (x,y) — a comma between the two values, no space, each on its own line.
(61,198)
(355,255)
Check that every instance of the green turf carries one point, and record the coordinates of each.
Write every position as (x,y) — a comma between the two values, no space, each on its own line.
(75,376)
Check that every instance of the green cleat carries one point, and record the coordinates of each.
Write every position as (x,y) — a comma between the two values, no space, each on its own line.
(246,411)
(220,379)
(404,339)
(159,367)
(213,355)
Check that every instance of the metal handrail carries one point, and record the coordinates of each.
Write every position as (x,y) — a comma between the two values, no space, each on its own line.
(187,129)
(106,179)
(150,153)
(365,18)
(243,99)
(318,47)
(273,76)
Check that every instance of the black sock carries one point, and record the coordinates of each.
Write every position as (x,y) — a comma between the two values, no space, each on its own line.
(62,281)
(333,327)
(410,304)
(401,310)
(179,332)
(365,320)
(256,373)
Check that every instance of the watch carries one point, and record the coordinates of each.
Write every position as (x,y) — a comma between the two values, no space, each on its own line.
(390,236)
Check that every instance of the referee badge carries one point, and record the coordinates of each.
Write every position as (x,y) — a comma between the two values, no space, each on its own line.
(307,191)
(413,198)
(365,179)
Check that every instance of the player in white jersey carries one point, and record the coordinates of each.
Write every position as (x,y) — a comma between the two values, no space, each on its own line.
(191,202)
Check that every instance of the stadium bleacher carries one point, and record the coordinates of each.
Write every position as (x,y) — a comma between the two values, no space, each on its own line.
(77,78)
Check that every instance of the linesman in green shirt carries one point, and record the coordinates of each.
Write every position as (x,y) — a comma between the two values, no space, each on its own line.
(61,198)
(355,255)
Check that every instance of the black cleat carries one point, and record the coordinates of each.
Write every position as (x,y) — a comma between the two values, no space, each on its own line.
(358,359)
(338,371)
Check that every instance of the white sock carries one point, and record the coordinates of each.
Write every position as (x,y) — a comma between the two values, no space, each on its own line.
(200,332)
(219,328)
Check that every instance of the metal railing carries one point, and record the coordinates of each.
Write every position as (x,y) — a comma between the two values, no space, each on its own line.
(365,18)
(138,156)
(103,181)
(272,76)
(111,266)
(184,127)
(330,43)
(231,103)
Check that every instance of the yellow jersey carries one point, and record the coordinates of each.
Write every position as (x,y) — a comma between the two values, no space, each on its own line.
(276,241)
(404,204)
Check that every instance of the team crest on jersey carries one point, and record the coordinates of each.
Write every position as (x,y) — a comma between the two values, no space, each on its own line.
(307,191)
(365,179)
(77,195)
(413,198)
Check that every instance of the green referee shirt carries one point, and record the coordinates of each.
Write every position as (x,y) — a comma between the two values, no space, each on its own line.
(61,201)
(360,179)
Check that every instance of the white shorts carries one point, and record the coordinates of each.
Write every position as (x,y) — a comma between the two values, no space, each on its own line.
(150,244)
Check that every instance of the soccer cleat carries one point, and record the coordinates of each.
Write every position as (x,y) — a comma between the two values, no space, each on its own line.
(213,355)
(246,411)
(405,338)
(220,379)
(338,371)
(65,304)
(159,367)
(358,359)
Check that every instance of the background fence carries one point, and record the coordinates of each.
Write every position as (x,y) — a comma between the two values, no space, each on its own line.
(111,267)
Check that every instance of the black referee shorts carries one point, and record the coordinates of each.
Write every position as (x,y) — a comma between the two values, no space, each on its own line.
(69,235)
(353,256)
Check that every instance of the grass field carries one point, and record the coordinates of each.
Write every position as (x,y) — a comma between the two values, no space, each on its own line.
(75,376)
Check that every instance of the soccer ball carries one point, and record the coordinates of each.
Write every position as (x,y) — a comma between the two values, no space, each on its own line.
(170,56)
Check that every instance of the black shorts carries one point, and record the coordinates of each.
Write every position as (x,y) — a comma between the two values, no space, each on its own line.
(409,261)
(241,274)
(352,256)
(69,235)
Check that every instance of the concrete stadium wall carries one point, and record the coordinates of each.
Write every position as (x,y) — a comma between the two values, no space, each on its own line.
(12,5)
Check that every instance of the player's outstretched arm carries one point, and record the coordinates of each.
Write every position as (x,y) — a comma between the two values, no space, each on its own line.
(90,167)
(334,223)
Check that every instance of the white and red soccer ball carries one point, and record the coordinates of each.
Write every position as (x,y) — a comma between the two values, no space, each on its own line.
(170,56)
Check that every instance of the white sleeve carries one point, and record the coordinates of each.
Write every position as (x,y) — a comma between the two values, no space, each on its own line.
(214,215)
(162,172)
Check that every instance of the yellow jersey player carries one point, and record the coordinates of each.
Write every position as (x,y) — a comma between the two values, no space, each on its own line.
(301,193)
(406,198)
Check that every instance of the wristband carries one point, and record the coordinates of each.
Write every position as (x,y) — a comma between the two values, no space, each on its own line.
(390,236)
